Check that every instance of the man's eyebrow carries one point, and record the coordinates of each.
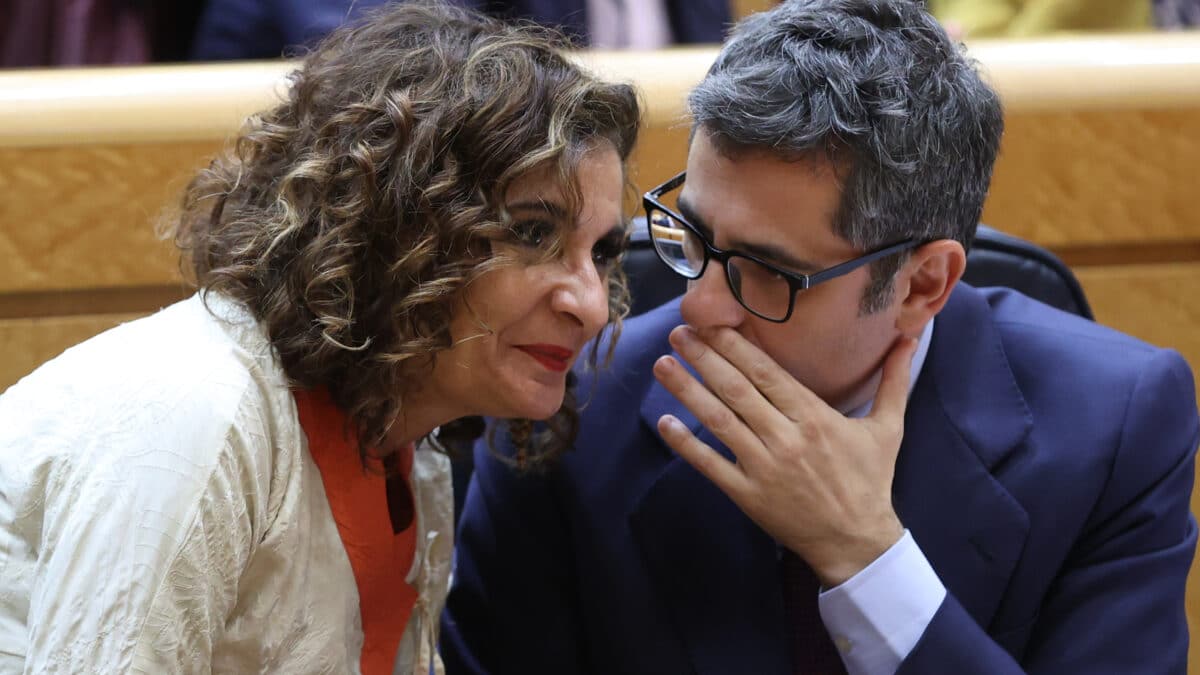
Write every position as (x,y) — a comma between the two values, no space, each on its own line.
(766,252)
(689,214)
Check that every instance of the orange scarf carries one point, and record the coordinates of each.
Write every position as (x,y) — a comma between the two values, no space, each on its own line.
(358,499)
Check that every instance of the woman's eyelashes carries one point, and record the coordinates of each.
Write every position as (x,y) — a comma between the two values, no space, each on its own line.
(608,250)
(540,236)
(533,233)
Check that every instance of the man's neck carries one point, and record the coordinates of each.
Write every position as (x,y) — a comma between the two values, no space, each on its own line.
(918,361)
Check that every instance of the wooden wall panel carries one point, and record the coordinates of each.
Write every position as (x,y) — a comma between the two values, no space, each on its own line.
(661,153)
(742,8)
(85,215)
(27,343)
(1157,303)
(1065,180)
(1098,177)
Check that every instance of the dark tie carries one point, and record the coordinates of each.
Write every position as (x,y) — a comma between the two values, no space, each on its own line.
(813,652)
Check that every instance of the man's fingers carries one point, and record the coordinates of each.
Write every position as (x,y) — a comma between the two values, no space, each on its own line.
(748,381)
(775,384)
(712,412)
(892,397)
(723,473)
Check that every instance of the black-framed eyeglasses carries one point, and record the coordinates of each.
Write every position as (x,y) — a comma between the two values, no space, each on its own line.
(765,290)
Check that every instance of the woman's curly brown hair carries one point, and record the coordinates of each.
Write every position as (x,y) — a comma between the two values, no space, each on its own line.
(350,217)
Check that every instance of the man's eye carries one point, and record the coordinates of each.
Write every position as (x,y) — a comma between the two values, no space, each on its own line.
(533,233)
(760,273)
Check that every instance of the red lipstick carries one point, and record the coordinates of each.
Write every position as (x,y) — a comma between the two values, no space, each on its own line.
(553,357)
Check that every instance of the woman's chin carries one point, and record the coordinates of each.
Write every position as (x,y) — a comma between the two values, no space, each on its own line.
(542,413)
(530,400)
(541,409)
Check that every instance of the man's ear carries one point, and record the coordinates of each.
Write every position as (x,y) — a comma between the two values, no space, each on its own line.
(924,283)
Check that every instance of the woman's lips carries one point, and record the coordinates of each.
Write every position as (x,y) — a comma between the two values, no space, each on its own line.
(553,357)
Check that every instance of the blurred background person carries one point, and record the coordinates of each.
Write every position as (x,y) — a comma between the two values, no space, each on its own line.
(264,29)
(90,32)
(633,24)
(1177,14)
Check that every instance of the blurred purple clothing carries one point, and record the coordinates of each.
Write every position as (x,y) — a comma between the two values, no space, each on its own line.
(72,32)
(263,29)
(1177,14)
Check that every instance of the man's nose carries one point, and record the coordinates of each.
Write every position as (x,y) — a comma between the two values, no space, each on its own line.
(709,302)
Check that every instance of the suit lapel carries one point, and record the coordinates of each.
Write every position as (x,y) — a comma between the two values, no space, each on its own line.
(716,571)
(966,416)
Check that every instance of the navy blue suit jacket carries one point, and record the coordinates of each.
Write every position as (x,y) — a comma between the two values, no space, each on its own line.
(265,29)
(1045,472)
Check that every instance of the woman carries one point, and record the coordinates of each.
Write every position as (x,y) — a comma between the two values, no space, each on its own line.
(424,231)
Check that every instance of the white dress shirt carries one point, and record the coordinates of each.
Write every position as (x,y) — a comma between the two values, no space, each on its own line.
(877,616)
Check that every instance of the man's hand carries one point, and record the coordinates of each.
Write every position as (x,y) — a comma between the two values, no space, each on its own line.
(818,482)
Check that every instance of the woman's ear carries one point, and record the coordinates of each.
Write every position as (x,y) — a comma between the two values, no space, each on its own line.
(925,281)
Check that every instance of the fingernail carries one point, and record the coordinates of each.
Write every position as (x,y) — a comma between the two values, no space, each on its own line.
(686,342)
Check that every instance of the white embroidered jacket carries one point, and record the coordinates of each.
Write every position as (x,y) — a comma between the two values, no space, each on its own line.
(160,512)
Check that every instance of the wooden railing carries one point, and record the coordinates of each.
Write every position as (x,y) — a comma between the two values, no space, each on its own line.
(1100,162)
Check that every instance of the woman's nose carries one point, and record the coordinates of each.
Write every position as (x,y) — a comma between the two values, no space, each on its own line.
(583,295)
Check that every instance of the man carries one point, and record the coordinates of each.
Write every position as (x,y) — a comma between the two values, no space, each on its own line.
(957,480)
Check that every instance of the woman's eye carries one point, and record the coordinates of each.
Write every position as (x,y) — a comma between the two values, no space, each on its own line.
(607,252)
(533,233)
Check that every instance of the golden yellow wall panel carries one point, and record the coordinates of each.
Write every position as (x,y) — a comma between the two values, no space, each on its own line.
(1098,177)
(84,215)
(1063,179)
(27,343)
(1156,303)
(742,8)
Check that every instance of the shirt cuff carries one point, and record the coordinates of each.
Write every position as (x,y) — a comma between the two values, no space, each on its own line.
(877,616)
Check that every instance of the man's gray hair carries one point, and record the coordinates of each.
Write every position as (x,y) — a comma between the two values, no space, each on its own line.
(878,87)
